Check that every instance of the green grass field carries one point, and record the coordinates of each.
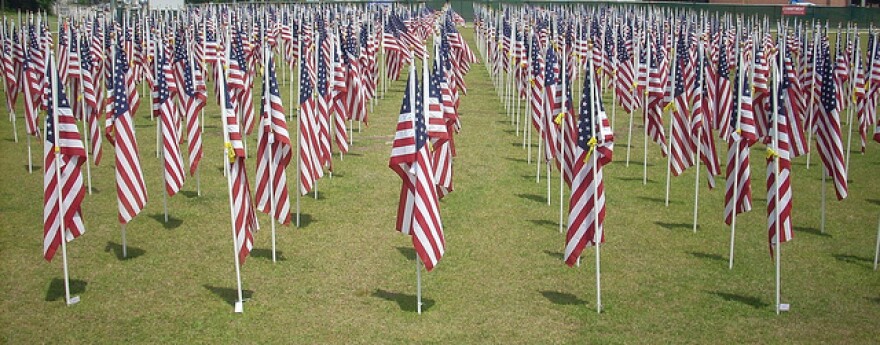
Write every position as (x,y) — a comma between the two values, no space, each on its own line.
(347,276)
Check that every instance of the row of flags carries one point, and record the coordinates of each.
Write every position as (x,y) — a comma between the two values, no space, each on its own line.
(712,75)
(720,74)
(336,50)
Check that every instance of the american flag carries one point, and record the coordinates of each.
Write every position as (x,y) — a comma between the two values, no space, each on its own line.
(762,100)
(443,147)
(10,77)
(700,125)
(626,83)
(91,95)
(33,69)
(828,140)
(741,137)
(436,123)
(720,93)
(163,106)
(794,108)
(779,196)
(536,82)
(134,100)
(861,99)
(552,103)
(595,145)
(192,93)
(131,192)
(656,84)
(64,52)
(273,152)
(355,99)
(244,221)
(240,81)
(309,161)
(63,192)
(326,101)
(418,213)
(682,145)
(322,124)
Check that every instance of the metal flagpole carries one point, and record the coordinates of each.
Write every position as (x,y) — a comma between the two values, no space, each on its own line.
(597,236)
(877,250)
(62,230)
(160,139)
(113,71)
(645,112)
(849,110)
(271,142)
(299,133)
(778,243)
(418,285)
(239,307)
(738,152)
(810,115)
(670,139)
(700,81)
(635,90)
(822,207)
(561,122)
(82,106)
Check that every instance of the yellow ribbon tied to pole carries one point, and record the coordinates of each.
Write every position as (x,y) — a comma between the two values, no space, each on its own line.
(771,153)
(593,142)
(230,152)
(558,119)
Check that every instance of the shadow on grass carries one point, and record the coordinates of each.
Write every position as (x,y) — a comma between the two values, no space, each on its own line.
(56,289)
(37,168)
(856,260)
(811,231)
(521,160)
(229,295)
(707,256)
(658,200)
(873,299)
(562,298)
(305,220)
(172,223)
(116,248)
(406,302)
(555,255)
(634,179)
(673,226)
(873,201)
(266,253)
(544,222)
(747,300)
(533,197)
(190,194)
(407,252)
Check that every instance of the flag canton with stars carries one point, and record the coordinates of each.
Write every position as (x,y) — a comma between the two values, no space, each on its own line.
(120,95)
(50,115)
(161,81)
(829,100)
(550,75)
(237,50)
(585,125)
(420,126)
(536,65)
(723,66)
(679,78)
(273,80)
(306,82)
(322,73)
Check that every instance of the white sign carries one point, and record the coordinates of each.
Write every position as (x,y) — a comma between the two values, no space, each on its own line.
(166,4)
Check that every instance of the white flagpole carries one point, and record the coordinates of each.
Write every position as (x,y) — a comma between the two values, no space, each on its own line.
(271,139)
(635,87)
(645,110)
(670,139)
(160,140)
(877,250)
(810,115)
(238,307)
(298,132)
(822,207)
(82,105)
(9,106)
(597,236)
(62,231)
(315,57)
(700,81)
(738,151)
(564,74)
(113,71)
(778,243)
(418,285)
(849,110)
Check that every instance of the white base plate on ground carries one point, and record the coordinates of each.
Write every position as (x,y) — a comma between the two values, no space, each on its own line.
(73,300)
(239,307)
